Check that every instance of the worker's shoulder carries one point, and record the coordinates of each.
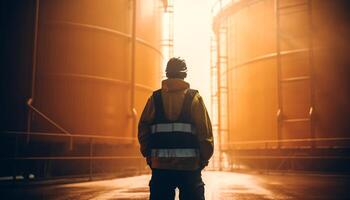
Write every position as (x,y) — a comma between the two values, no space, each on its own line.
(155,92)
(192,92)
(196,96)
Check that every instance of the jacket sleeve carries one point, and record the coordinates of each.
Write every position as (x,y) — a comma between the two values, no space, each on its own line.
(203,126)
(144,127)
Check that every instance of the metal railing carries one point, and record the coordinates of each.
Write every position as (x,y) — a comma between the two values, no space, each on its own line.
(89,156)
(266,143)
(287,154)
(275,150)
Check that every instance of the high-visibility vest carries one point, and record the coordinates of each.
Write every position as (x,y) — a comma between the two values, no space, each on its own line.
(174,144)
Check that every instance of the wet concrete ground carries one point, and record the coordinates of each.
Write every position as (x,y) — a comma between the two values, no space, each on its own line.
(219,186)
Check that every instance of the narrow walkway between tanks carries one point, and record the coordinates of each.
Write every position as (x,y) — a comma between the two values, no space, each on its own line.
(219,186)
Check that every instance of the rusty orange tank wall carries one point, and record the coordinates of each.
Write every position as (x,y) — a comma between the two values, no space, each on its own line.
(84,64)
(148,51)
(252,70)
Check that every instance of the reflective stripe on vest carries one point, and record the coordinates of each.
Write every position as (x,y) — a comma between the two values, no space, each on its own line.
(172,127)
(175,153)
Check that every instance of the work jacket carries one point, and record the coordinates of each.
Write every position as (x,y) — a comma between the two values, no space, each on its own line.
(191,144)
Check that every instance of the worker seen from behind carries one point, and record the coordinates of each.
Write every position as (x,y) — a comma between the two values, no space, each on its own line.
(175,136)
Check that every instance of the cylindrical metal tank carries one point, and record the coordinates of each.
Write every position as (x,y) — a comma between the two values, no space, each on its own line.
(76,76)
(285,65)
(94,64)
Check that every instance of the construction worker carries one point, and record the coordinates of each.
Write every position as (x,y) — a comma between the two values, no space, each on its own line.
(175,136)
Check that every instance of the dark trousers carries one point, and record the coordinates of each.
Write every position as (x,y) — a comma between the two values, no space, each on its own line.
(164,182)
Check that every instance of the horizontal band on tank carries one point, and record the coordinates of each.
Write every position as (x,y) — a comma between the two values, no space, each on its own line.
(291,157)
(96,78)
(175,153)
(297,120)
(72,135)
(295,79)
(103,29)
(266,57)
(291,140)
(172,127)
(73,158)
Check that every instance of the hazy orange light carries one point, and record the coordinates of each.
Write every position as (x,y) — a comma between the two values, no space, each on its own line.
(192,29)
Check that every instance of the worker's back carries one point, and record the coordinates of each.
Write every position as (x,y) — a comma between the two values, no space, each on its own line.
(175,137)
(173,94)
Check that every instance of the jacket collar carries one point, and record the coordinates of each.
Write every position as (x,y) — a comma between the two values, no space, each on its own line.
(174,84)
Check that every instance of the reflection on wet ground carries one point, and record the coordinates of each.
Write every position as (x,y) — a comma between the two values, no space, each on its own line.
(219,186)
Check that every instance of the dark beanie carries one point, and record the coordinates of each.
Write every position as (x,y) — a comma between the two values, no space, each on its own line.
(176,68)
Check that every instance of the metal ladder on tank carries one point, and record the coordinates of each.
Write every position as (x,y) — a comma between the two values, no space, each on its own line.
(214,92)
(223,126)
(217,65)
(280,9)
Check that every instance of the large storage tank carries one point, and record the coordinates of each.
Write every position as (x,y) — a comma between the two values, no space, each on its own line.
(84,64)
(84,68)
(285,65)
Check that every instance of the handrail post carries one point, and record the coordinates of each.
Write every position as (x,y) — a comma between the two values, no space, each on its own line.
(266,160)
(90,158)
(312,127)
(279,128)
(71,143)
(15,152)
